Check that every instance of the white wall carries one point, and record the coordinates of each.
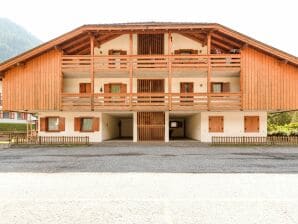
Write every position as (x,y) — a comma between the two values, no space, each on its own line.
(72,85)
(193,126)
(200,84)
(110,129)
(122,43)
(234,82)
(233,124)
(69,125)
(182,42)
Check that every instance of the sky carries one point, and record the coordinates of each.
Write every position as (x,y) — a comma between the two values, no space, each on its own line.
(273,22)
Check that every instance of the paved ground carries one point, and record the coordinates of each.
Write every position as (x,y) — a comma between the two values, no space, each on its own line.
(149,184)
(175,158)
(146,198)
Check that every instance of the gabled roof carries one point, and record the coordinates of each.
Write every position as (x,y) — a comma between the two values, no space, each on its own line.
(223,33)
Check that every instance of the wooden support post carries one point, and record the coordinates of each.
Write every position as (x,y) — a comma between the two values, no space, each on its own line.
(241,84)
(170,70)
(130,69)
(92,70)
(60,81)
(209,70)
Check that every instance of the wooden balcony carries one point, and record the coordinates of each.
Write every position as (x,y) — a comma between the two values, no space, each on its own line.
(151,101)
(147,62)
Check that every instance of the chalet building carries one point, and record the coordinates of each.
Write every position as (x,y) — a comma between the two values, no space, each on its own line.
(151,81)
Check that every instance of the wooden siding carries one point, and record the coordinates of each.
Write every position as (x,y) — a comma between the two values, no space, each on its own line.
(268,83)
(35,85)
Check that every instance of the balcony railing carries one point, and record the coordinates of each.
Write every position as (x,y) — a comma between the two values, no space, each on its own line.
(148,62)
(151,101)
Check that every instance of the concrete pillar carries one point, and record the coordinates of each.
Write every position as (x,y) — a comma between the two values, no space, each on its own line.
(135,127)
(167,138)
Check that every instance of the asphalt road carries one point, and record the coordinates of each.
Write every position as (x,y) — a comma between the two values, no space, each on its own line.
(156,158)
(163,184)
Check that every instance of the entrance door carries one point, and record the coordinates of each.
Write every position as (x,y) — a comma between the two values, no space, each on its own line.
(151,126)
(150,44)
(186,87)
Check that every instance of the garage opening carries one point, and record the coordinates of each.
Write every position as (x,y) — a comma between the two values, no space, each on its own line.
(184,126)
(151,126)
(117,126)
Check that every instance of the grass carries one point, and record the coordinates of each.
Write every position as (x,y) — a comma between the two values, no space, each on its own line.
(8,127)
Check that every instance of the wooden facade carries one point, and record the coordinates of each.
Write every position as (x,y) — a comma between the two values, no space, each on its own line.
(35,85)
(268,83)
(34,81)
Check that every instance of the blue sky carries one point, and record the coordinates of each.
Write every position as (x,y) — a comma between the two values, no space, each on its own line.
(273,22)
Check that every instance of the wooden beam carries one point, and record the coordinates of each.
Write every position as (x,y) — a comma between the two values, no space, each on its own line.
(170,70)
(226,40)
(92,70)
(209,69)
(208,43)
(224,46)
(78,47)
(75,41)
(130,69)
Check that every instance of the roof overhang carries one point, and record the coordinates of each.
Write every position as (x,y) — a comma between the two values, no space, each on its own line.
(148,27)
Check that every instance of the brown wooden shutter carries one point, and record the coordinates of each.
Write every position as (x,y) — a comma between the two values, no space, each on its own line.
(95,124)
(88,87)
(251,124)
(77,124)
(61,123)
(43,124)
(216,124)
(82,88)
(226,87)
(123,88)
(107,88)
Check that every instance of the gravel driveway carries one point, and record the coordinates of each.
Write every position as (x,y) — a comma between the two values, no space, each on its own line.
(171,158)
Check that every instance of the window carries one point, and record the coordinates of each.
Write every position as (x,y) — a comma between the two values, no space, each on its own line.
(220,87)
(216,87)
(216,124)
(53,124)
(86,124)
(6,115)
(251,124)
(20,116)
(115,88)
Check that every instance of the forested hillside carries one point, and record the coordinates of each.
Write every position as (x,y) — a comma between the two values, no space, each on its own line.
(14,39)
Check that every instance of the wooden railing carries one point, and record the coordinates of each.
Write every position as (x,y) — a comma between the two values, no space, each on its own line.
(49,140)
(152,101)
(81,101)
(269,140)
(148,62)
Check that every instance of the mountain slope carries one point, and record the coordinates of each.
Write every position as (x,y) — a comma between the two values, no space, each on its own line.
(14,39)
